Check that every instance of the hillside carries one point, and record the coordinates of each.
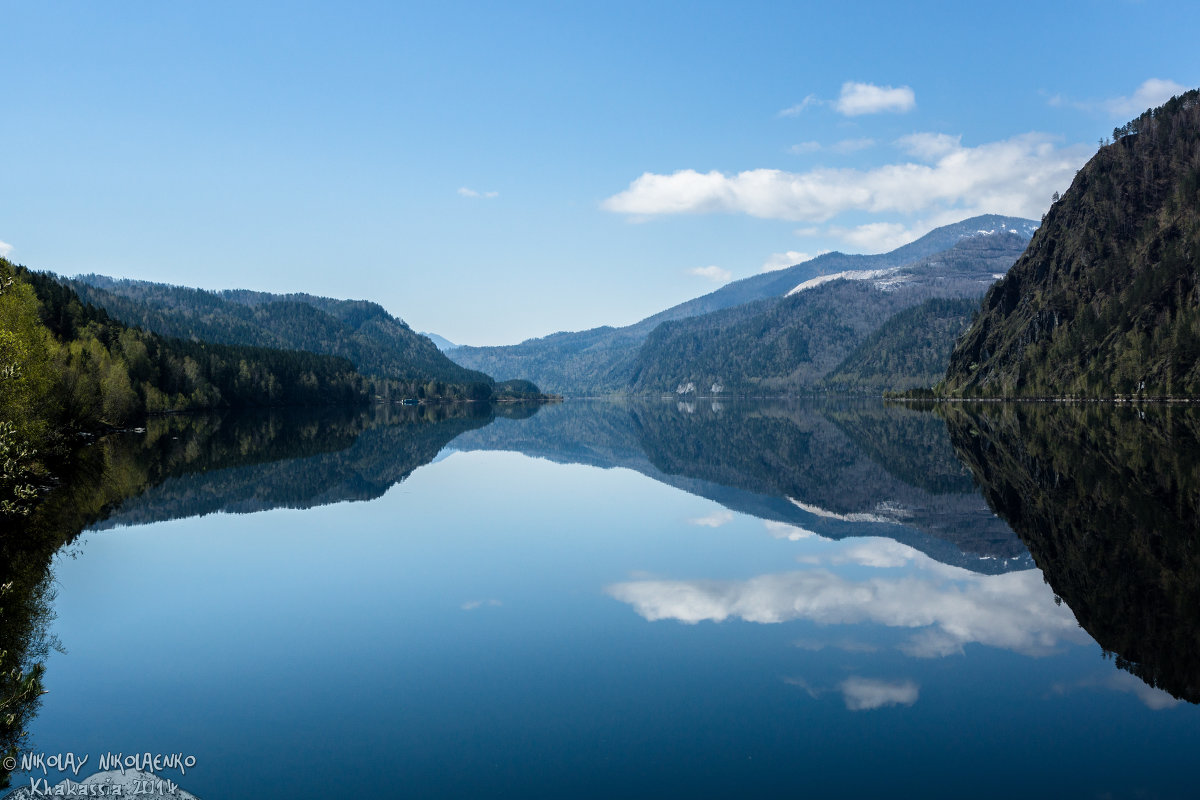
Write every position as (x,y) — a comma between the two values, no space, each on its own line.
(602,360)
(66,367)
(909,351)
(377,343)
(1105,300)
(793,344)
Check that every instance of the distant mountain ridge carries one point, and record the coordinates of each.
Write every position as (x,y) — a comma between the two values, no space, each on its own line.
(363,332)
(780,282)
(442,342)
(604,360)
(793,344)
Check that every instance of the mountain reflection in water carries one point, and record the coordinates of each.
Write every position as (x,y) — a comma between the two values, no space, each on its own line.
(1108,501)
(894,523)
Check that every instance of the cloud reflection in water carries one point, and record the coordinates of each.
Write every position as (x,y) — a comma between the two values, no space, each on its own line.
(947,607)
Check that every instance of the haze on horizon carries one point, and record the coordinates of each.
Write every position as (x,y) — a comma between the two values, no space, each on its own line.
(496,173)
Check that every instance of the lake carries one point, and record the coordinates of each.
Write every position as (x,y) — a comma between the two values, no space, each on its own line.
(637,599)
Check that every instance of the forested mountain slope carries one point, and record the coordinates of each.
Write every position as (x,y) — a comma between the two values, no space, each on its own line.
(377,343)
(909,351)
(602,360)
(69,365)
(794,343)
(1105,300)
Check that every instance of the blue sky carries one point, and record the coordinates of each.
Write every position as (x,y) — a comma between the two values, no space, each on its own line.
(498,171)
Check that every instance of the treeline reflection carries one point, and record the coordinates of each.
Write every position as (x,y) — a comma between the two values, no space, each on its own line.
(1108,501)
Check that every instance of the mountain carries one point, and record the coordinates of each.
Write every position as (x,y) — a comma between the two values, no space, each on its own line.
(780,282)
(602,360)
(794,343)
(441,342)
(1105,300)
(377,343)
(71,366)
(909,351)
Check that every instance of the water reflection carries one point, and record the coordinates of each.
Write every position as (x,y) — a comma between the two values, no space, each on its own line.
(189,465)
(1124,682)
(892,552)
(297,460)
(836,469)
(1108,501)
(945,607)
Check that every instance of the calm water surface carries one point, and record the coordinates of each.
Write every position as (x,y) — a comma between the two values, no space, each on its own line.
(602,600)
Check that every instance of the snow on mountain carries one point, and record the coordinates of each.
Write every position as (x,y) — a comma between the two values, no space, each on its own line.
(855,275)
(890,278)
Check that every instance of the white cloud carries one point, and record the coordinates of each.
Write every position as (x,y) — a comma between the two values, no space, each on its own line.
(876,237)
(1151,94)
(798,109)
(1013,176)
(784,260)
(714,274)
(714,520)
(867,98)
(865,694)
(468,192)
(843,147)
(471,605)
(945,607)
(929,146)
(804,147)
(846,146)
(5,249)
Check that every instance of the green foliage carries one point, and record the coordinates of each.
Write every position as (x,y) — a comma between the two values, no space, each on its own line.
(99,372)
(17,473)
(26,376)
(1106,300)
(909,351)
(518,389)
(378,344)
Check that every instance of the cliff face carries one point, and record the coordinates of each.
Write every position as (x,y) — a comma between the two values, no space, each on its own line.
(1105,299)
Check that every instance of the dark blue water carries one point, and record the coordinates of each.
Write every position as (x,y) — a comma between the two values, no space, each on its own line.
(500,624)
